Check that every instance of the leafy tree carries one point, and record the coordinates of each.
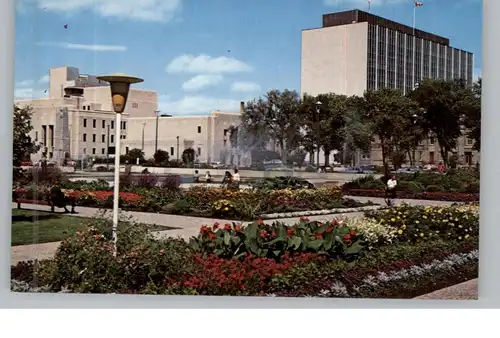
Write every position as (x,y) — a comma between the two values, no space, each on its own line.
(188,156)
(389,114)
(473,118)
(133,155)
(357,129)
(23,145)
(324,125)
(443,111)
(276,116)
(161,156)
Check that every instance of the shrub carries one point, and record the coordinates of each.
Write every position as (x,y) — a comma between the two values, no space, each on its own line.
(223,208)
(85,262)
(276,239)
(419,223)
(171,182)
(283,182)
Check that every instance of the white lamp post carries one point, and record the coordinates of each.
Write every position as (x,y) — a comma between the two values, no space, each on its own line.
(120,85)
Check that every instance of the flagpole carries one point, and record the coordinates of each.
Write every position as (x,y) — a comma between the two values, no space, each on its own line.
(414,46)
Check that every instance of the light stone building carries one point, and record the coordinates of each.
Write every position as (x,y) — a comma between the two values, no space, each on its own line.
(77,119)
(354,51)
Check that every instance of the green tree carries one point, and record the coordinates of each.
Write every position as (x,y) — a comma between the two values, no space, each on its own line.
(323,123)
(444,110)
(188,156)
(161,156)
(389,113)
(473,115)
(274,117)
(133,155)
(357,129)
(23,145)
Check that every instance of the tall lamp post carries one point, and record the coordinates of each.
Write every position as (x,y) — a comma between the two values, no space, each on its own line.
(318,106)
(120,86)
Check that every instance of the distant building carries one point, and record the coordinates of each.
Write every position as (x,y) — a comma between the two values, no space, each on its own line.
(354,51)
(77,119)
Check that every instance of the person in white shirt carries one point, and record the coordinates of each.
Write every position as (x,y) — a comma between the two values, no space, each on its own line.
(236,178)
(390,191)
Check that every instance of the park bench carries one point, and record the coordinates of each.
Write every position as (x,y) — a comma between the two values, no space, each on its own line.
(56,198)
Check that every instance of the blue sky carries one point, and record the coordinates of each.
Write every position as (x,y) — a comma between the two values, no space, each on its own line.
(201,55)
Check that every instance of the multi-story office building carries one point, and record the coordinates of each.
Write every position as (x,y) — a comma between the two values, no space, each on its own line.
(355,51)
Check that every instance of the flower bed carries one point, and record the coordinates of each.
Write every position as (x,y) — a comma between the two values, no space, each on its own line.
(377,256)
(244,204)
(433,196)
(456,185)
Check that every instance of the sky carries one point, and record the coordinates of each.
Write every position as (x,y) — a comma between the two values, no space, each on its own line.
(203,55)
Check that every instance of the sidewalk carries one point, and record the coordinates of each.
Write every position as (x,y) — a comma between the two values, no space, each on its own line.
(463,291)
(187,226)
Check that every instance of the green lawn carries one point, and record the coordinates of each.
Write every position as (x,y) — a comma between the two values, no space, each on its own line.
(34,227)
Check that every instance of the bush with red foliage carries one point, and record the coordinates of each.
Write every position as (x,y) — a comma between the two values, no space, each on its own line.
(247,276)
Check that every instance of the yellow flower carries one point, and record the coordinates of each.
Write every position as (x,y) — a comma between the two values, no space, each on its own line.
(424,217)
(393,219)
(460,237)
(226,209)
(460,226)
(437,231)
(417,222)
(400,232)
(422,234)
(467,236)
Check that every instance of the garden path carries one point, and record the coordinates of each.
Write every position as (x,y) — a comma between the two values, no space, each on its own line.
(187,226)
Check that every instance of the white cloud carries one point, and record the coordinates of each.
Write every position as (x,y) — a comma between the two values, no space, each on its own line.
(197,105)
(202,81)
(25,83)
(44,79)
(29,93)
(139,10)
(204,64)
(240,86)
(93,48)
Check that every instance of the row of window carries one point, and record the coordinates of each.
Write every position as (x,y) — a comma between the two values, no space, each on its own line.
(103,124)
(134,105)
(103,138)
(395,61)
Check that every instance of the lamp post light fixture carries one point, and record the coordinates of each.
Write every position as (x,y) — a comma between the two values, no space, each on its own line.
(120,86)
(318,106)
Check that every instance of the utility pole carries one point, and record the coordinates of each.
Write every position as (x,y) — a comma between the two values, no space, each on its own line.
(177,149)
(156,137)
(107,147)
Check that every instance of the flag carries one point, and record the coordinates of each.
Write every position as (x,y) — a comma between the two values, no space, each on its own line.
(418,4)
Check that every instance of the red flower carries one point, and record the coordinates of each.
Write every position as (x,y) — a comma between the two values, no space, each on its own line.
(263,234)
(318,236)
(290,232)
(347,238)
(216,225)
(335,223)
(353,233)
(330,229)
(260,221)
(211,236)
(305,219)
(228,227)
